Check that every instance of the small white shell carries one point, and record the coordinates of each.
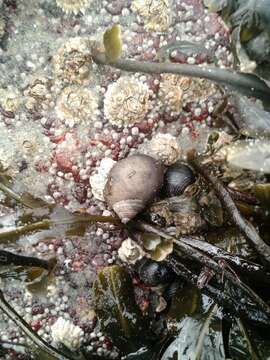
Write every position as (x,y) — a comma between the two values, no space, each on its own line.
(65,332)
(130,251)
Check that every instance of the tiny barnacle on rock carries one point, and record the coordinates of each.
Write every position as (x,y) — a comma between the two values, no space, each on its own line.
(77,104)
(37,93)
(155,14)
(66,333)
(164,147)
(130,252)
(98,180)
(72,63)
(10,99)
(127,101)
(171,92)
(73,6)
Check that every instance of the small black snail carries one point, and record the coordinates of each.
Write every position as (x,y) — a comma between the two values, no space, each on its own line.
(132,183)
(176,179)
(154,273)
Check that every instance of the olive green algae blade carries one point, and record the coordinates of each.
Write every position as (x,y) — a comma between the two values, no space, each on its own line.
(119,315)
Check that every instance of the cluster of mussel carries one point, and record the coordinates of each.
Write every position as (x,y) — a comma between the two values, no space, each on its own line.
(141,188)
(177,205)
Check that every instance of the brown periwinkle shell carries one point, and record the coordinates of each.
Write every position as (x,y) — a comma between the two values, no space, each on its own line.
(132,183)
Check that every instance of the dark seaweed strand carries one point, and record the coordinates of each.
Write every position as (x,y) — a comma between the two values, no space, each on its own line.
(203,259)
(245,227)
(217,295)
(22,324)
(240,196)
(245,267)
(8,258)
(250,84)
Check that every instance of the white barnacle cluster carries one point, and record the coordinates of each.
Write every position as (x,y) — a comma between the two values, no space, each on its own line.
(171,92)
(98,180)
(155,14)
(76,104)
(72,63)
(65,332)
(164,147)
(127,101)
(73,6)
(130,252)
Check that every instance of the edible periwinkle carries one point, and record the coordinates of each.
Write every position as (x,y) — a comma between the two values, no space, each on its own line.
(176,179)
(154,273)
(132,183)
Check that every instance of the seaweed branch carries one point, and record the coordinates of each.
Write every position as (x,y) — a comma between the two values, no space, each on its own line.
(246,228)
(10,193)
(47,223)
(231,303)
(247,83)
(205,260)
(245,267)
(8,258)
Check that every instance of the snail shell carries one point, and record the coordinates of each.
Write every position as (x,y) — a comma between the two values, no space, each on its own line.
(154,273)
(177,178)
(132,183)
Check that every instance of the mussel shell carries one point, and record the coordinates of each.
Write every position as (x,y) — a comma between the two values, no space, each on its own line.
(176,179)
(154,273)
(173,288)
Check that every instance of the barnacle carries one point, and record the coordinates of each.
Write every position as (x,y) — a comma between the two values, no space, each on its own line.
(76,105)
(127,101)
(38,92)
(165,147)
(72,63)
(98,180)
(130,251)
(10,99)
(73,6)
(32,145)
(2,27)
(26,144)
(65,332)
(155,13)
(32,181)
(171,92)
(7,151)
(156,247)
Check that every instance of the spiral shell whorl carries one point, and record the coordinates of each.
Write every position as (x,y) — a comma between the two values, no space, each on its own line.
(128,209)
(132,183)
